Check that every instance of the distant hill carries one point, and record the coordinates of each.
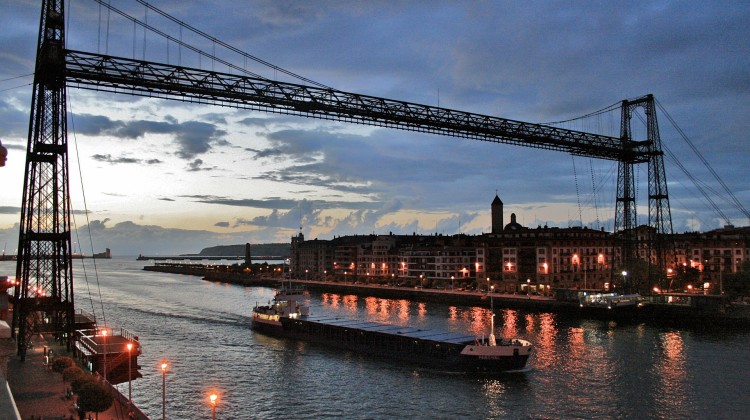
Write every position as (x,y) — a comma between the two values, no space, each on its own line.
(282,250)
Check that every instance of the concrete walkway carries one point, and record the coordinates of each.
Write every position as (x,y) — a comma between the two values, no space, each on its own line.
(40,392)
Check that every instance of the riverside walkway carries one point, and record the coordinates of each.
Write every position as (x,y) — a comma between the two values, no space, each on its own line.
(40,392)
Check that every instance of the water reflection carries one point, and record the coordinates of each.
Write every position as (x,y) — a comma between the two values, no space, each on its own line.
(510,323)
(671,372)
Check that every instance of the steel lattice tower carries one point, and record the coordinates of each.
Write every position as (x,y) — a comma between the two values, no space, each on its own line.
(43,301)
(656,246)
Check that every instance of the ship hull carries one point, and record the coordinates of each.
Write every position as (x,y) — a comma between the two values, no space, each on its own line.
(408,347)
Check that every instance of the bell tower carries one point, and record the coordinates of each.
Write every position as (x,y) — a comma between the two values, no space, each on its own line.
(497,215)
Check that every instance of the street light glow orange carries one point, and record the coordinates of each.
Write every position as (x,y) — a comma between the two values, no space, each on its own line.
(213,398)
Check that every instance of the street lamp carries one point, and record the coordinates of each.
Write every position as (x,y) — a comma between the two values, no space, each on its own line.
(488,286)
(104,349)
(624,279)
(213,398)
(130,388)
(164,366)
(452,279)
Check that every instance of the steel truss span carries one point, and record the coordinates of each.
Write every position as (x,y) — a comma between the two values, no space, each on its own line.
(121,75)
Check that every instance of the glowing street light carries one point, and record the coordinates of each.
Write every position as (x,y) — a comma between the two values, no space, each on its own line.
(130,388)
(104,349)
(164,367)
(213,398)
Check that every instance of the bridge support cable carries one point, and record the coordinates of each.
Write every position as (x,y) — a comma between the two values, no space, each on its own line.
(716,176)
(43,299)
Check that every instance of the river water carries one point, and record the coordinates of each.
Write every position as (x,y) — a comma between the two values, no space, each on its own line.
(580,368)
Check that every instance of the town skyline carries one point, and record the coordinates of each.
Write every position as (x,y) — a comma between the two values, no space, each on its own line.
(172,178)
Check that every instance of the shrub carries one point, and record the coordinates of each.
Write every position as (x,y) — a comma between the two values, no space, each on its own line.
(72,373)
(94,397)
(78,383)
(61,363)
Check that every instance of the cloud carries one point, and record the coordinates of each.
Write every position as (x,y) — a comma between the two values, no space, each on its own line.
(9,210)
(109,159)
(192,138)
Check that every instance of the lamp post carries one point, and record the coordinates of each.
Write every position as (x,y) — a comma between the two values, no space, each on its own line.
(213,398)
(130,388)
(164,390)
(624,279)
(104,350)
(488,286)
(452,279)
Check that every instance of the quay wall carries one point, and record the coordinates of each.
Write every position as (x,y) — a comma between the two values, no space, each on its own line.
(733,315)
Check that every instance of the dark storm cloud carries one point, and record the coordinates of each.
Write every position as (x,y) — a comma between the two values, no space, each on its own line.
(9,210)
(192,137)
(13,120)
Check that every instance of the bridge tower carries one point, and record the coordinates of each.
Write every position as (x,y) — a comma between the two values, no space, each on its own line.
(655,242)
(43,300)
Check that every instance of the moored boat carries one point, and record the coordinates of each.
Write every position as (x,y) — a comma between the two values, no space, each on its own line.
(448,351)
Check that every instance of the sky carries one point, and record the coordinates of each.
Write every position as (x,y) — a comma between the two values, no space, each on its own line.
(151,176)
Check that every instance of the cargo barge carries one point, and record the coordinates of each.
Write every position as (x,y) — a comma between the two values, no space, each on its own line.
(445,351)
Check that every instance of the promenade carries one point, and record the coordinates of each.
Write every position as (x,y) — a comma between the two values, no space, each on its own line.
(39,392)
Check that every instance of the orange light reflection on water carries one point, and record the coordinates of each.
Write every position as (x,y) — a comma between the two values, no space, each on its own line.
(671,370)
(350,303)
(546,351)
(510,323)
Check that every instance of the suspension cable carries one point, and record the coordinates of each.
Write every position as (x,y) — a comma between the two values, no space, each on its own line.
(594,192)
(697,152)
(176,41)
(88,225)
(578,195)
(591,114)
(231,48)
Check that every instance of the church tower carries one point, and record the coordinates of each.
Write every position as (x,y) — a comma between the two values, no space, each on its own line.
(497,215)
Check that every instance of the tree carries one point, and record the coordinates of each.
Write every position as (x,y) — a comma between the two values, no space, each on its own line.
(94,397)
(72,373)
(61,363)
(738,284)
(77,383)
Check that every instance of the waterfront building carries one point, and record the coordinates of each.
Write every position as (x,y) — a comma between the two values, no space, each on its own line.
(514,258)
